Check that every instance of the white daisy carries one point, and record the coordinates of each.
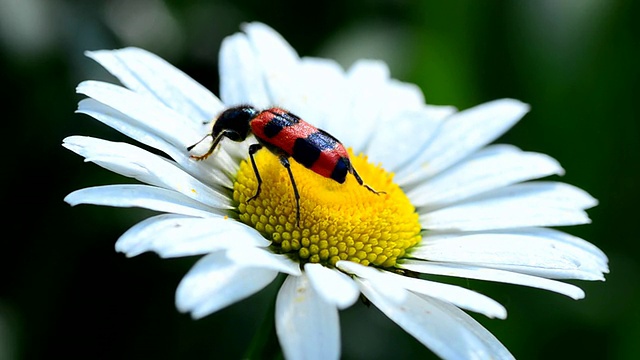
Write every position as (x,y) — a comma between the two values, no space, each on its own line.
(452,204)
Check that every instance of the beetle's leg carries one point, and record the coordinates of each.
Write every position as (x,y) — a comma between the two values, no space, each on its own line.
(359,180)
(285,162)
(252,150)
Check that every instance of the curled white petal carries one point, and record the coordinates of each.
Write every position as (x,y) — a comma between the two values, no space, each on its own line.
(170,125)
(456,295)
(126,125)
(172,235)
(142,129)
(150,75)
(480,273)
(149,116)
(520,205)
(132,161)
(308,327)
(397,293)
(333,286)
(445,329)
(215,282)
(262,258)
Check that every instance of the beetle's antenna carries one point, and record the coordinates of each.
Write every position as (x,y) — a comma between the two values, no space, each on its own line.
(212,148)
(199,141)
(359,179)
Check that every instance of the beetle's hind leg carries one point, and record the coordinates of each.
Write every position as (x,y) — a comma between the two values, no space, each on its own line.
(284,160)
(252,150)
(361,182)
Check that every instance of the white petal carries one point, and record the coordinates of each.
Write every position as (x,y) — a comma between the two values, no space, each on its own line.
(333,286)
(264,259)
(456,295)
(443,328)
(131,161)
(480,273)
(268,42)
(150,75)
(370,82)
(520,205)
(139,129)
(316,83)
(491,168)
(519,251)
(279,64)
(411,131)
(547,192)
(261,69)
(307,326)
(126,125)
(597,255)
(240,74)
(440,112)
(215,282)
(144,196)
(161,122)
(398,294)
(362,100)
(158,119)
(172,235)
(368,100)
(462,134)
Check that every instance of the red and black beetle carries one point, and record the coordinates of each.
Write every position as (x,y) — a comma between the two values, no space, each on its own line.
(285,135)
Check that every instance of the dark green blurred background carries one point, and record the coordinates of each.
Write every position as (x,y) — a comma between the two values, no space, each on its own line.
(65,291)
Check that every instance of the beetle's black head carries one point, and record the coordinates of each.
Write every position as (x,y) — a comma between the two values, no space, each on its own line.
(233,123)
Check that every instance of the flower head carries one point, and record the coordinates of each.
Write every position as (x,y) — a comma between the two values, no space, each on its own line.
(447,202)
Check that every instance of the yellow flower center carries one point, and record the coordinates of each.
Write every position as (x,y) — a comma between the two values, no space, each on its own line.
(337,221)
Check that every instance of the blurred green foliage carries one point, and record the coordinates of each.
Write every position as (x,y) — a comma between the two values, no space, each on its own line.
(65,291)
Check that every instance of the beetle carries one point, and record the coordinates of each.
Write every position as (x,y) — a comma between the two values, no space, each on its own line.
(285,135)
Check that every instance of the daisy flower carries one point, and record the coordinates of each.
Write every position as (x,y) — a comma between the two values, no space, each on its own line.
(450,203)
